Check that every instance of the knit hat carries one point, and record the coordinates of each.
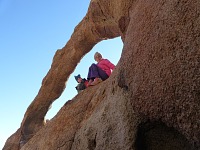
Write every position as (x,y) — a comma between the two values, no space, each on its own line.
(76,77)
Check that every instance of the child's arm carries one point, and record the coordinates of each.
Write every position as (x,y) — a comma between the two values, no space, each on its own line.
(109,64)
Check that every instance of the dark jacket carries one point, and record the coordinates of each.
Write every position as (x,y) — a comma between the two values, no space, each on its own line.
(81,86)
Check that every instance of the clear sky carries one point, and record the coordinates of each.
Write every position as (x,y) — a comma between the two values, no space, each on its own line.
(30,34)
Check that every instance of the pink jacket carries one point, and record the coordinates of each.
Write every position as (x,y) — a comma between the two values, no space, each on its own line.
(106,66)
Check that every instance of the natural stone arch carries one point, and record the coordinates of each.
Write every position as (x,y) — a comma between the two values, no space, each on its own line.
(108,49)
(96,26)
(157,78)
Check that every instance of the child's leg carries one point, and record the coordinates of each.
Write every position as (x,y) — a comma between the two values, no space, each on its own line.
(93,72)
(102,74)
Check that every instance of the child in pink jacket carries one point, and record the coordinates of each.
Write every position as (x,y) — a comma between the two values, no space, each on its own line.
(100,71)
(104,64)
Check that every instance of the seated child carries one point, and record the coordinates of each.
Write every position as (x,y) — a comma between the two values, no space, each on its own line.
(82,83)
(96,73)
(100,71)
(104,64)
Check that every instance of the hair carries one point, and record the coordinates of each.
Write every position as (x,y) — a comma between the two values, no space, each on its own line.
(97,55)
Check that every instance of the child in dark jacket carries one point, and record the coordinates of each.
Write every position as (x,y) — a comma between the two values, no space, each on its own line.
(82,83)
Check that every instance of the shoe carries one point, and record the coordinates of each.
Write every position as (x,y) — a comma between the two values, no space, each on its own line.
(96,81)
(89,83)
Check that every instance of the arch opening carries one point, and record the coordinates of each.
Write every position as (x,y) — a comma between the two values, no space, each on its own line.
(110,49)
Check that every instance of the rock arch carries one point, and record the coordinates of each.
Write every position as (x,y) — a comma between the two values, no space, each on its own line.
(97,25)
(157,78)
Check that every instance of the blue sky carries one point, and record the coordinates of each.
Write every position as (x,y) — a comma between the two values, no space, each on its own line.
(30,34)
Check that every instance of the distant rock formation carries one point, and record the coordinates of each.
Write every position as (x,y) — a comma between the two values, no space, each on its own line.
(152,99)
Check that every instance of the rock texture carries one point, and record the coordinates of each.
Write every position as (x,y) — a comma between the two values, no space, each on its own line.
(152,99)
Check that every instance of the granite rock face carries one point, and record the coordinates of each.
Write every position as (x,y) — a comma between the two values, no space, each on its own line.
(152,99)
